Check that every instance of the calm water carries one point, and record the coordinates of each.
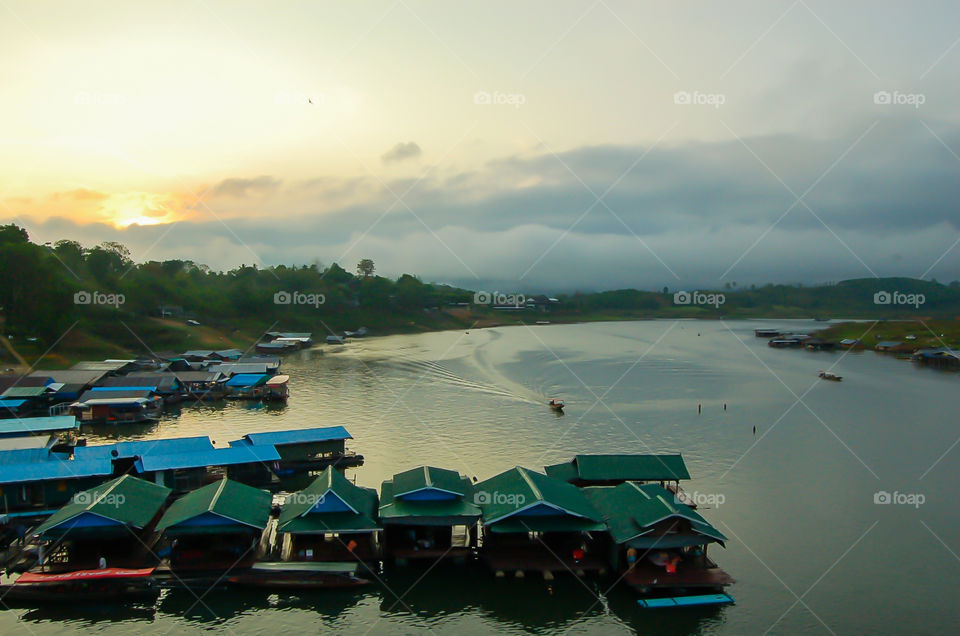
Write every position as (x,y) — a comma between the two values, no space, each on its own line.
(797,498)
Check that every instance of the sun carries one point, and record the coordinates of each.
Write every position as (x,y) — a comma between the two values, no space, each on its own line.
(124,209)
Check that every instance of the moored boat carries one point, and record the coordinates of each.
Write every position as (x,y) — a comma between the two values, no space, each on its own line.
(106,584)
(299,575)
(828,375)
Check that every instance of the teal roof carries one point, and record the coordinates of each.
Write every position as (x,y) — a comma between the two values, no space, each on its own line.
(633,511)
(620,467)
(124,501)
(417,505)
(27,425)
(429,478)
(330,504)
(520,493)
(225,503)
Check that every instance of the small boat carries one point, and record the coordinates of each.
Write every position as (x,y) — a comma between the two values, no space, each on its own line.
(107,584)
(827,375)
(338,340)
(555,404)
(299,575)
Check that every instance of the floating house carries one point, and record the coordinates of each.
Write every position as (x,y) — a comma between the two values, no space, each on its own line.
(891,345)
(166,384)
(535,522)
(108,367)
(215,528)
(231,369)
(118,406)
(61,431)
(766,333)
(201,385)
(657,542)
(332,520)
(112,521)
(306,448)
(275,347)
(429,513)
(246,386)
(941,357)
(34,481)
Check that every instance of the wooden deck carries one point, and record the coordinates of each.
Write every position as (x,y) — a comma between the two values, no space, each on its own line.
(688,575)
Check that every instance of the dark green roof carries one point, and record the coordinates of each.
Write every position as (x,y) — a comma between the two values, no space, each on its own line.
(518,489)
(127,500)
(428,477)
(234,502)
(632,510)
(601,468)
(297,516)
(461,510)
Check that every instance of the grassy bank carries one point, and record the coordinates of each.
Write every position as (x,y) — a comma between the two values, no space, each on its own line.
(928,334)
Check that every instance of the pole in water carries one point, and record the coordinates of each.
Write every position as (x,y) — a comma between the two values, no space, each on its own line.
(699,408)
(754,430)
(724,406)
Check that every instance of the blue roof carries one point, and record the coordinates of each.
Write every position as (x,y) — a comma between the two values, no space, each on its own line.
(216,457)
(38,424)
(12,403)
(247,379)
(28,455)
(56,468)
(145,447)
(297,436)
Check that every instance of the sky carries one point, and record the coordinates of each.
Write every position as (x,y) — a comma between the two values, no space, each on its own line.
(536,146)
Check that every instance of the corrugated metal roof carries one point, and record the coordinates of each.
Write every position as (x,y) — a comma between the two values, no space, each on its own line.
(248,379)
(126,500)
(12,403)
(458,510)
(234,502)
(29,456)
(429,478)
(115,394)
(72,376)
(142,448)
(297,436)
(234,368)
(621,467)
(631,510)
(297,514)
(216,457)
(38,424)
(514,491)
(58,468)
(26,391)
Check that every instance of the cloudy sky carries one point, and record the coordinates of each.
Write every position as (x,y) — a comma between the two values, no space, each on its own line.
(536,145)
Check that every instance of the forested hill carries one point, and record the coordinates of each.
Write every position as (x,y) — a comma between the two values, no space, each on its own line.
(99,294)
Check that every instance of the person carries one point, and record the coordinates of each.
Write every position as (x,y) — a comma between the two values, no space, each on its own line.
(631,557)
(103,563)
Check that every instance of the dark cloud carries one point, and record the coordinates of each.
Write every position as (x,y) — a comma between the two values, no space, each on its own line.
(246,187)
(401,152)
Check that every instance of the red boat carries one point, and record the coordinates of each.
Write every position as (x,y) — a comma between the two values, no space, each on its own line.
(105,584)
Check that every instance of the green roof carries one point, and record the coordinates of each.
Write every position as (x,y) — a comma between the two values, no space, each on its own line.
(299,516)
(234,503)
(519,489)
(461,510)
(429,477)
(126,500)
(25,391)
(601,468)
(632,511)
